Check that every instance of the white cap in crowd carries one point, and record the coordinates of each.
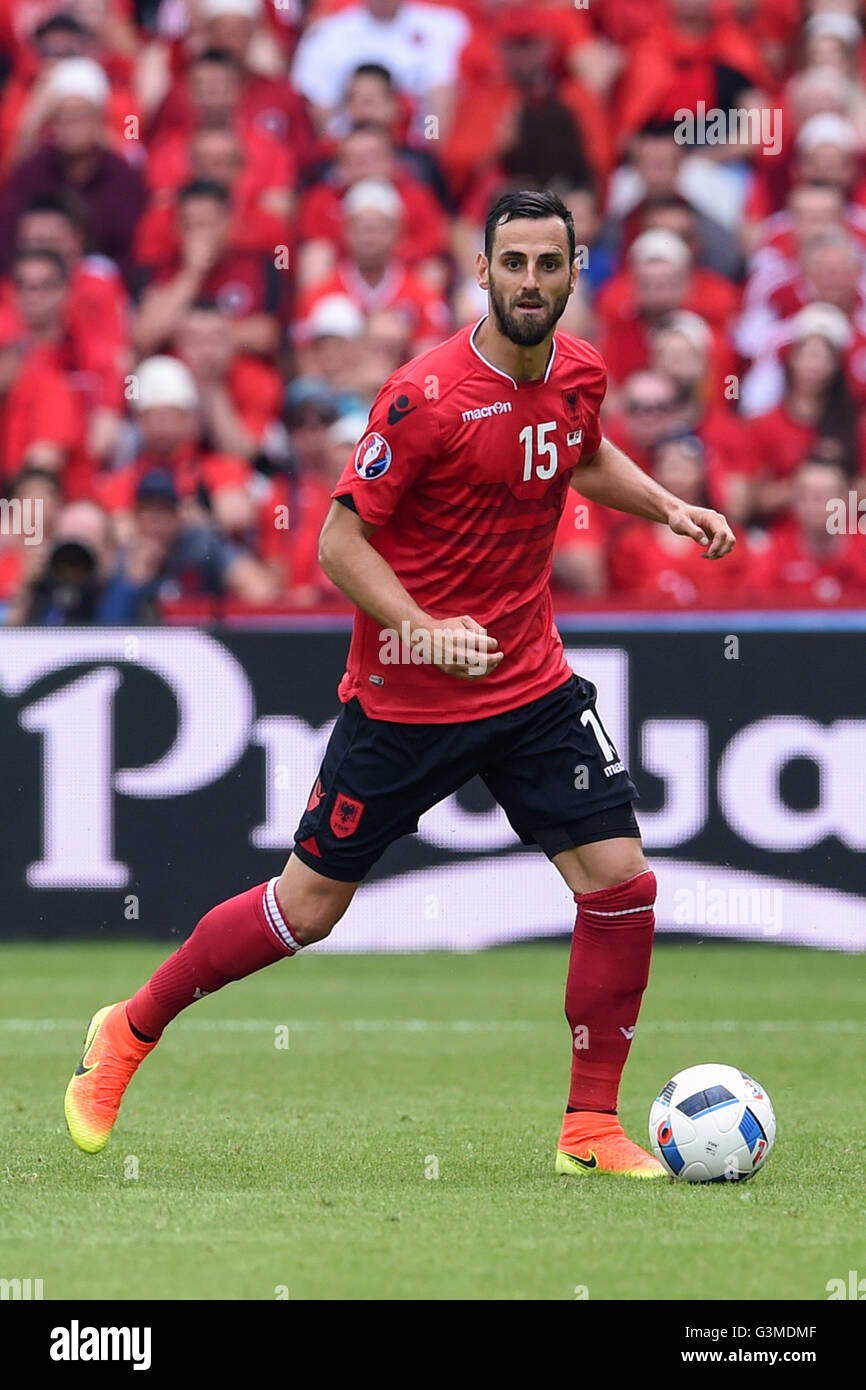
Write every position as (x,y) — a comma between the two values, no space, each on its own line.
(834,24)
(165,381)
(215,9)
(335,316)
(659,245)
(373,195)
(78,77)
(694,329)
(821,321)
(827,128)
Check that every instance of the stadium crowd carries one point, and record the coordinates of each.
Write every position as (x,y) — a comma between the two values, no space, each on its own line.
(224,223)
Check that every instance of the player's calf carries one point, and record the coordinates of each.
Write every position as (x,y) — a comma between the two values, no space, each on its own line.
(608,973)
(233,940)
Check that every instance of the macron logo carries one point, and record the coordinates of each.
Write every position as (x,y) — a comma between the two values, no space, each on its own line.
(77,1343)
(485,411)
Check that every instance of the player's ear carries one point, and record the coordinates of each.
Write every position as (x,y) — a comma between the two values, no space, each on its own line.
(575,271)
(482,270)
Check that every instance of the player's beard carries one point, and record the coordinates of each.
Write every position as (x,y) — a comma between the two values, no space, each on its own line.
(522,331)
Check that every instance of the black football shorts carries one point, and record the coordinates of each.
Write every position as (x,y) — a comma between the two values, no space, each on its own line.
(550,764)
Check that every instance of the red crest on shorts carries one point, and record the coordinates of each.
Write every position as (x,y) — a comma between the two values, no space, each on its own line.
(345,816)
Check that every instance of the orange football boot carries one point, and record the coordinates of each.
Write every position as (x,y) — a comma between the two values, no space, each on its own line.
(595,1143)
(111,1055)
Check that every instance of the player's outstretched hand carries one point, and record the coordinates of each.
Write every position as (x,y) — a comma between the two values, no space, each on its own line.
(461,647)
(706,527)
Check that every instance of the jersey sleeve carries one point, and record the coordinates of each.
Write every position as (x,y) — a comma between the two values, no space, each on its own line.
(402,439)
(594,391)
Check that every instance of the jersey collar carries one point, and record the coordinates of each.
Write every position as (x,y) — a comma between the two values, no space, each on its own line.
(489,365)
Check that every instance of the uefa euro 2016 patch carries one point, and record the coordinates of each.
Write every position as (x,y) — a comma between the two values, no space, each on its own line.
(372,456)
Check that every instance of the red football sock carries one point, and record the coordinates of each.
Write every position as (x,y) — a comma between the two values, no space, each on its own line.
(231,941)
(607,975)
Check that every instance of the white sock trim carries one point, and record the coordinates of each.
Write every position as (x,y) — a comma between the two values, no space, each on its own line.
(277,921)
(624,911)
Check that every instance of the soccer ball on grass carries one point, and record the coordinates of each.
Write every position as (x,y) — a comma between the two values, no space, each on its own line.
(712,1123)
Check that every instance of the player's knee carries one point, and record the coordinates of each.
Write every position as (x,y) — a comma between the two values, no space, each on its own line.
(311,925)
(311,904)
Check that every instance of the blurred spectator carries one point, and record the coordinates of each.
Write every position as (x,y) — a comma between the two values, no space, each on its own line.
(82,29)
(660,278)
(75,159)
(71,585)
(259,167)
(698,55)
(811,211)
(372,275)
(300,495)
(267,102)
(652,563)
(211,485)
(419,44)
(806,557)
(384,348)
(368,152)
(244,283)
(239,396)
(647,414)
(167,558)
(681,348)
(817,407)
(41,407)
(371,98)
(335,343)
(831,273)
(96,314)
(659,168)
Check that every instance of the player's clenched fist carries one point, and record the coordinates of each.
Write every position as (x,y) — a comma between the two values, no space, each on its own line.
(461,647)
(704,526)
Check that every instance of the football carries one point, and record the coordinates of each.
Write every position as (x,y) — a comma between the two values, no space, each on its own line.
(712,1123)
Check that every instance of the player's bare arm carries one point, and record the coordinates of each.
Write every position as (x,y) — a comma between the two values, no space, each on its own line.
(611,478)
(356,567)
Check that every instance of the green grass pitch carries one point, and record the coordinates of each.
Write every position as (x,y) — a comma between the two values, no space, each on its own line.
(241,1169)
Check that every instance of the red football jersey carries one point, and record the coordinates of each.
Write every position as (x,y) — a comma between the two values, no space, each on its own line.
(465,472)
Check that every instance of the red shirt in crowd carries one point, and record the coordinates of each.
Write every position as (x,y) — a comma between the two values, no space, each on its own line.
(191,468)
(790,564)
(644,566)
(426,313)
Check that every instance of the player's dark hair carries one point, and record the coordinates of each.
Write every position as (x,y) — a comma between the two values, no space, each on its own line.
(205,188)
(42,253)
(536,206)
(373,70)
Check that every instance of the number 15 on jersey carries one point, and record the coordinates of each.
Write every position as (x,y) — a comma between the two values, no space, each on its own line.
(537,446)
